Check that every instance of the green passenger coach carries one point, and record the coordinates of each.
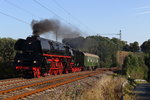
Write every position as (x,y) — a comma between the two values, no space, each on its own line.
(91,61)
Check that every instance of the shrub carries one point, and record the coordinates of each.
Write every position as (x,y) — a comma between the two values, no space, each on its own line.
(135,67)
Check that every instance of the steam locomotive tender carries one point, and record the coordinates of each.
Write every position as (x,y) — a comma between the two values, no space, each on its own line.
(37,57)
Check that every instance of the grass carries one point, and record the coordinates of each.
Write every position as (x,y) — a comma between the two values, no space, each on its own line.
(108,88)
(128,92)
(140,82)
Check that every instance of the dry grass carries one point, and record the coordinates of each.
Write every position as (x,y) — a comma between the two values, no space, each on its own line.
(100,87)
(128,92)
(107,88)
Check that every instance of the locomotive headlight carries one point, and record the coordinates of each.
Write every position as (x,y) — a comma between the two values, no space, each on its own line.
(34,62)
(18,61)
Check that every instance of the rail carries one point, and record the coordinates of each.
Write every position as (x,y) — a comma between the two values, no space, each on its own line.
(51,86)
(39,83)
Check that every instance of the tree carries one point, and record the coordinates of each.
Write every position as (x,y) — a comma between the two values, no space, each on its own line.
(135,67)
(147,62)
(7,53)
(134,47)
(145,47)
(7,49)
(119,43)
(126,47)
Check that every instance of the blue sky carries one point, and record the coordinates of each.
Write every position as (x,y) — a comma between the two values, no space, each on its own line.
(95,16)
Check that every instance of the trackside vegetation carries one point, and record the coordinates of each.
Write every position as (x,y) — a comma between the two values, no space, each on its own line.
(134,66)
(6,57)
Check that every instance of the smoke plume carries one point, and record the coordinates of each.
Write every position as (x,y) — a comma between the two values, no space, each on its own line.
(54,27)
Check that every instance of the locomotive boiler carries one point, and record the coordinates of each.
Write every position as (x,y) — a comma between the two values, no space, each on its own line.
(37,57)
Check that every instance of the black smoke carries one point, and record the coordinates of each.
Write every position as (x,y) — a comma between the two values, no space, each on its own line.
(54,27)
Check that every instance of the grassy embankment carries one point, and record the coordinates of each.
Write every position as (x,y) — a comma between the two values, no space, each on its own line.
(102,87)
(108,88)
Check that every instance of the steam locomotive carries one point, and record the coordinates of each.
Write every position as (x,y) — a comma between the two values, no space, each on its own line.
(37,57)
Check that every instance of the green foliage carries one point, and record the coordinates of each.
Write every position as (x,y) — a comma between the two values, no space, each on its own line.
(7,53)
(104,47)
(7,70)
(126,47)
(133,47)
(135,67)
(147,62)
(120,44)
(145,47)
(114,61)
(7,49)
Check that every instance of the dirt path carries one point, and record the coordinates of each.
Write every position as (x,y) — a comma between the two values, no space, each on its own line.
(143,91)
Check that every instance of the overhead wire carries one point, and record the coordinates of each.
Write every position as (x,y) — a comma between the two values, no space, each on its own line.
(16,6)
(61,7)
(43,6)
(81,23)
(108,34)
(48,9)
(13,17)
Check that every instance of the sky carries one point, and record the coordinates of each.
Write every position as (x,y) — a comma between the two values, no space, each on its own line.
(92,17)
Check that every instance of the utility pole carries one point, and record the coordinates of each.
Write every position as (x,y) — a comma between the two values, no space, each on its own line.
(120,35)
(118,44)
(56,35)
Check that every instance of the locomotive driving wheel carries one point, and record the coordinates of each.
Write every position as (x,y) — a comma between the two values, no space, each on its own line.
(60,66)
(55,71)
(60,71)
(36,72)
(66,71)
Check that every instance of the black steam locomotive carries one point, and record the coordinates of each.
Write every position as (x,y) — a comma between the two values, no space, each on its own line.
(37,57)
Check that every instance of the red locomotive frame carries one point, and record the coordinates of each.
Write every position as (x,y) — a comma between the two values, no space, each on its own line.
(55,66)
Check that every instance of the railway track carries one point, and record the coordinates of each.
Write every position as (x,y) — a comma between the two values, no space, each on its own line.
(14,83)
(10,80)
(30,89)
(20,82)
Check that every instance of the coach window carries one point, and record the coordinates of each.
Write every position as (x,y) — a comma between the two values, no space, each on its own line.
(88,60)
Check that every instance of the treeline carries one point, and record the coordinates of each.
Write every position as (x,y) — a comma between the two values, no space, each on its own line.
(104,47)
(136,64)
(7,53)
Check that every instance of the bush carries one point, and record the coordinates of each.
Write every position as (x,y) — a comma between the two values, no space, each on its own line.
(7,53)
(135,67)
(7,70)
